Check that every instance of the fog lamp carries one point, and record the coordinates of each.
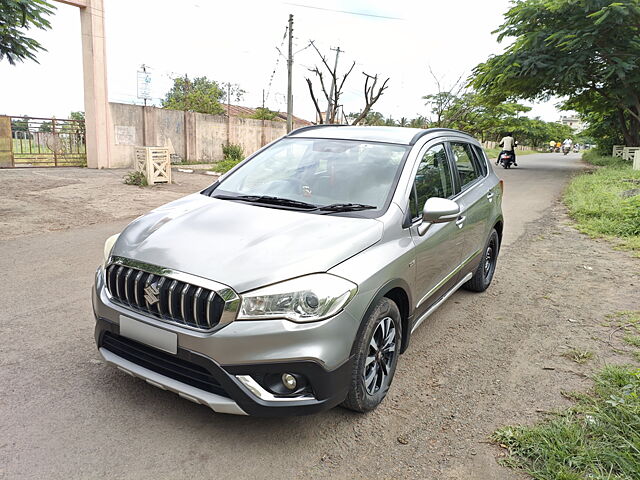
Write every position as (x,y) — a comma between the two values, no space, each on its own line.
(289,381)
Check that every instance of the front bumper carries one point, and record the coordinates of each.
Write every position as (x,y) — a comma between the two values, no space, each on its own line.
(319,352)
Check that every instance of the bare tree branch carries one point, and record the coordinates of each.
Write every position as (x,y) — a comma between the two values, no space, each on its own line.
(315,102)
(370,95)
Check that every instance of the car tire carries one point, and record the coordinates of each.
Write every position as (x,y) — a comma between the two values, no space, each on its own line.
(484,273)
(376,355)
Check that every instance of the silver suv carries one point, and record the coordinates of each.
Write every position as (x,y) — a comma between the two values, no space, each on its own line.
(294,283)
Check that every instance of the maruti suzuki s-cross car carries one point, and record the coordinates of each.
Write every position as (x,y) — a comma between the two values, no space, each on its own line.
(294,283)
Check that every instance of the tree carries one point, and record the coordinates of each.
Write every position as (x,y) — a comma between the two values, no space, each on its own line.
(586,50)
(15,18)
(372,118)
(332,96)
(419,122)
(371,95)
(198,95)
(264,114)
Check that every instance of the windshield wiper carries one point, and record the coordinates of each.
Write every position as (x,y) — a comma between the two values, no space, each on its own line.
(346,207)
(268,200)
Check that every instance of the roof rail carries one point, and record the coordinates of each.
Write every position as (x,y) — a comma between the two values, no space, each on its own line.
(426,131)
(311,127)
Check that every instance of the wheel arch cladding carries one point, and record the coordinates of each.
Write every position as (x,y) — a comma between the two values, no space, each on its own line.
(499,226)
(398,291)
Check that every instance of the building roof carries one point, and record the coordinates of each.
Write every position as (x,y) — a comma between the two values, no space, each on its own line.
(240,111)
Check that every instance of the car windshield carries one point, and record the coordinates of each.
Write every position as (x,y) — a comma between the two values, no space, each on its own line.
(320,172)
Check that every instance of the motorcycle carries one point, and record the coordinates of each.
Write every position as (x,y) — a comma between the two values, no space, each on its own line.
(507,159)
(566,149)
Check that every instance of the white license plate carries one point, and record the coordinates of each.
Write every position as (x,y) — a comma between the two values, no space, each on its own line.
(148,334)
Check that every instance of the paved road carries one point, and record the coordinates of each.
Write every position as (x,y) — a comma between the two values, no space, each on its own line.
(532,187)
(63,414)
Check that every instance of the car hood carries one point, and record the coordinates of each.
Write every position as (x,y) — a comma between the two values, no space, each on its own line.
(241,245)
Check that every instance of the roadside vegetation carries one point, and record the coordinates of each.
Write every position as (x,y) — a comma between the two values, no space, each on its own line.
(597,438)
(233,154)
(606,202)
(493,153)
(135,178)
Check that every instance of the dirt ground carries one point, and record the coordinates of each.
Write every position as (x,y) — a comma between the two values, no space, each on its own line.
(480,362)
(47,199)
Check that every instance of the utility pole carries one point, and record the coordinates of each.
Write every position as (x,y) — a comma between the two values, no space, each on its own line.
(228,112)
(333,85)
(289,78)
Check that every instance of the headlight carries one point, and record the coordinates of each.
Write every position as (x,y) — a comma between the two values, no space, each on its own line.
(108,246)
(304,299)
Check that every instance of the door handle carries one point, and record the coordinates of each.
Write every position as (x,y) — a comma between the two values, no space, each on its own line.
(490,196)
(460,221)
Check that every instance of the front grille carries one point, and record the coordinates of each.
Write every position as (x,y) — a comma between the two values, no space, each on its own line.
(165,298)
(163,363)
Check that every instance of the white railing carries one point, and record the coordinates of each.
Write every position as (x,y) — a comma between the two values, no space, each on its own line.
(617,150)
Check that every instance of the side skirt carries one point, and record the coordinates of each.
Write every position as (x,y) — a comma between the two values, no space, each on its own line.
(444,298)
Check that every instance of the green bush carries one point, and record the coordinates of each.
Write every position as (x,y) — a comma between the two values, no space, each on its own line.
(232,151)
(225,165)
(135,178)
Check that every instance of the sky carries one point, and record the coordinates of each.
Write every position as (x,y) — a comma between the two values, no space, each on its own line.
(238,42)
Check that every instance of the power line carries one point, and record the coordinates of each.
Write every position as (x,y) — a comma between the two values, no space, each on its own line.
(273,73)
(345,11)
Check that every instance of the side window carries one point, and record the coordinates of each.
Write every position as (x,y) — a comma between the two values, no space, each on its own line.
(468,168)
(482,159)
(433,179)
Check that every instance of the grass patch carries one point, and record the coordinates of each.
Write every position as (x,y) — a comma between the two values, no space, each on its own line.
(594,158)
(633,340)
(605,203)
(597,438)
(578,355)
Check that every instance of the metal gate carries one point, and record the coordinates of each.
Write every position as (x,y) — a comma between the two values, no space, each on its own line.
(42,142)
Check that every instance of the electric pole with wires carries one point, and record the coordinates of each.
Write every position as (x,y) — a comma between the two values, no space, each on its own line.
(333,86)
(290,77)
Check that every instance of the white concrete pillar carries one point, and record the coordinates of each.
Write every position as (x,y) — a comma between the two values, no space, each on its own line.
(96,101)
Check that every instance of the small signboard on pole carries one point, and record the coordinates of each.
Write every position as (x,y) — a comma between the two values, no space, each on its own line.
(144,84)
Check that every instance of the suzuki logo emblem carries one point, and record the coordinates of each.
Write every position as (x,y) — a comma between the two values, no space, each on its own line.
(151,294)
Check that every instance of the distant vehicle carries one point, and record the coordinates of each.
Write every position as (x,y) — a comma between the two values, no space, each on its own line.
(507,159)
(294,282)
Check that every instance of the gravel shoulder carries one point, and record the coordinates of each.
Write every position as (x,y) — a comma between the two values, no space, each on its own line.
(480,362)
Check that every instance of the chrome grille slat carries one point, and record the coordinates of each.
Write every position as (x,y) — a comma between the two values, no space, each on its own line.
(135,286)
(192,306)
(159,304)
(196,296)
(208,307)
(183,301)
(118,273)
(126,285)
(171,289)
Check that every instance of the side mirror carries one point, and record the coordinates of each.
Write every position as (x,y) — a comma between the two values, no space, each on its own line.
(438,210)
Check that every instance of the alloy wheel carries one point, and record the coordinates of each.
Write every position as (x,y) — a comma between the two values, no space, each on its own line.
(382,350)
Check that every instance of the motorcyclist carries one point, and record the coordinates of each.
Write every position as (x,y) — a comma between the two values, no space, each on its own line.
(508,145)
(552,145)
(567,144)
